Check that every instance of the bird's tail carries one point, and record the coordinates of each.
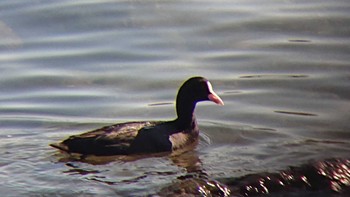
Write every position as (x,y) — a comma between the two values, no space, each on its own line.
(60,146)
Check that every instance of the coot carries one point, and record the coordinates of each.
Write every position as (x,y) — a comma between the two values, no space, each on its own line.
(147,136)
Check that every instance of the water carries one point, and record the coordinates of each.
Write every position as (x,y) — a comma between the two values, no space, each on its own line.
(282,69)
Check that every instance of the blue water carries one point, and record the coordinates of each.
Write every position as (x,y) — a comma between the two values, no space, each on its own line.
(281,67)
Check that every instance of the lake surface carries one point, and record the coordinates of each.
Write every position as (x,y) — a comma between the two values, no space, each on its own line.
(281,67)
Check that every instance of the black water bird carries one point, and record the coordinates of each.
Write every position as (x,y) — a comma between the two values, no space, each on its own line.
(147,136)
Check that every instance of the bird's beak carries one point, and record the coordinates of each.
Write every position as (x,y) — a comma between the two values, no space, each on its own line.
(213,96)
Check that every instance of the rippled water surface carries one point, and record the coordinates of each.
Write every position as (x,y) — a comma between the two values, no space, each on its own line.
(281,67)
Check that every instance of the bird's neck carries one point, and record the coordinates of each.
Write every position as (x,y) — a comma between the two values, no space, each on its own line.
(185,114)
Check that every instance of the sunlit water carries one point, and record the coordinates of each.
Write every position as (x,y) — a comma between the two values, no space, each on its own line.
(281,67)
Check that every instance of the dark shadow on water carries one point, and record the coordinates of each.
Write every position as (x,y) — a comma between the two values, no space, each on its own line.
(329,177)
(160,104)
(273,76)
(299,41)
(295,113)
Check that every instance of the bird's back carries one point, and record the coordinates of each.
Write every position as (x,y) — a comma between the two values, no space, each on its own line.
(109,140)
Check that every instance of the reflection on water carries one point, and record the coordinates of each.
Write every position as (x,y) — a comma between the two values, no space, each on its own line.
(282,69)
(9,39)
